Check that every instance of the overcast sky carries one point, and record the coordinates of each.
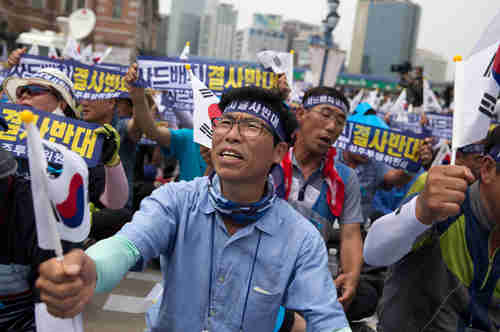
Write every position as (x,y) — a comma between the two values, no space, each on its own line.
(447,27)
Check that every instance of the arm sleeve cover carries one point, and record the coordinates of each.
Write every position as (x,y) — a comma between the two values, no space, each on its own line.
(113,258)
(392,236)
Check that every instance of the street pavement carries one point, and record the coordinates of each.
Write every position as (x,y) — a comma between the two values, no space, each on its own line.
(119,314)
(122,309)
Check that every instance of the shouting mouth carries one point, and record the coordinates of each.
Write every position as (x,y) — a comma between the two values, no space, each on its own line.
(231,155)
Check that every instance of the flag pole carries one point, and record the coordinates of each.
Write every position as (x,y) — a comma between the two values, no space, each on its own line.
(37,169)
(458,88)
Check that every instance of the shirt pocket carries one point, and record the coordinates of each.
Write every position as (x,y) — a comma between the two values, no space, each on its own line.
(262,309)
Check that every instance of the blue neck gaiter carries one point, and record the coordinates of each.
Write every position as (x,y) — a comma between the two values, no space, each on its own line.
(240,213)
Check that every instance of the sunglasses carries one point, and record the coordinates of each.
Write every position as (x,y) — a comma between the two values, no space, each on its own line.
(35,90)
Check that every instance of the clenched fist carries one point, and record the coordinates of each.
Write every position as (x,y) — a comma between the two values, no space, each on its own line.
(136,93)
(15,56)
(67,286)
(443,194)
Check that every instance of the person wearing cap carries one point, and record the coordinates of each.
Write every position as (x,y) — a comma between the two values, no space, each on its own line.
(323,190)
(235,251)
(51,90)
(48,90)
(443,246)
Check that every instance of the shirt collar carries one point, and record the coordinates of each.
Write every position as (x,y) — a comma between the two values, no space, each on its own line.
(269,223)
(205,206)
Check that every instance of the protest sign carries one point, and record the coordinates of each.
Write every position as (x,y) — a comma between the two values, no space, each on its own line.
(171,76)
(396,149)
(77,136)
(89,82)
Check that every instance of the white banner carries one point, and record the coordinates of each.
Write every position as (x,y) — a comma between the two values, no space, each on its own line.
(357,100)
(335,60)
(431,103)
(373,99)
(279,63)
(317,54)
(334,64)
(400,104)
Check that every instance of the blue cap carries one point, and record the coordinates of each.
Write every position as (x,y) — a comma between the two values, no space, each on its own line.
(370,120)
(362,108)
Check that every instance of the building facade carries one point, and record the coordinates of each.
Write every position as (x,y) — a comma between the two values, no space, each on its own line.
(184,25)
(250,41)
(271,22)
(162,40)
(435,66)
(385,33)
(217,31)
(299,35)
(128,26)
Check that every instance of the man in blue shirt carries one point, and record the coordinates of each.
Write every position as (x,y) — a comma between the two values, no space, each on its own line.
(189,154)
(235,251)
(177,143)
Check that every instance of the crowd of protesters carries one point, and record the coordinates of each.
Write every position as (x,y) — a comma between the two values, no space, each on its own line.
(271,229)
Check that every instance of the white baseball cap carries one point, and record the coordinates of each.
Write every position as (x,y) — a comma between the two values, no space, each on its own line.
(48,76)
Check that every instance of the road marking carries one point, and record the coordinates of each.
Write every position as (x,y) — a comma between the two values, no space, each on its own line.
(144,276)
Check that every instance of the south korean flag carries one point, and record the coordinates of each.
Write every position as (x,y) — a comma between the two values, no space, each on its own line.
(206,108)
(476,92)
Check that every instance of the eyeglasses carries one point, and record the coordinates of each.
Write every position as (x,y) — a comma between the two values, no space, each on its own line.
(247,128)
(329,115)
(35,90)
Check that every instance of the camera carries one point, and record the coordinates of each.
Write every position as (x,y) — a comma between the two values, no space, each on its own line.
(403,68)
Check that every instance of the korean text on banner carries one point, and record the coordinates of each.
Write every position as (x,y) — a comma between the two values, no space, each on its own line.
(77,136)
(397,149)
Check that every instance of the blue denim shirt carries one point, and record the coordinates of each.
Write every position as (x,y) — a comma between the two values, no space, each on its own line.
(290,268)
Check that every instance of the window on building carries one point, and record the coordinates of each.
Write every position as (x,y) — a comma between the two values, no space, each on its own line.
(39,4)
(117,9)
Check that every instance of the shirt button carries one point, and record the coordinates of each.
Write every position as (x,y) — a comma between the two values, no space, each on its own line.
(221,279)
(212,312)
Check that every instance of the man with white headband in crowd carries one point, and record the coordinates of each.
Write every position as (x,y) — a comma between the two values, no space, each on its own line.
(256,252)
(194,161)
(443,245)
(325,191)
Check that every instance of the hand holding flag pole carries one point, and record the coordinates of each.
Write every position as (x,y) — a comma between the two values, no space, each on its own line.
(65,198)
